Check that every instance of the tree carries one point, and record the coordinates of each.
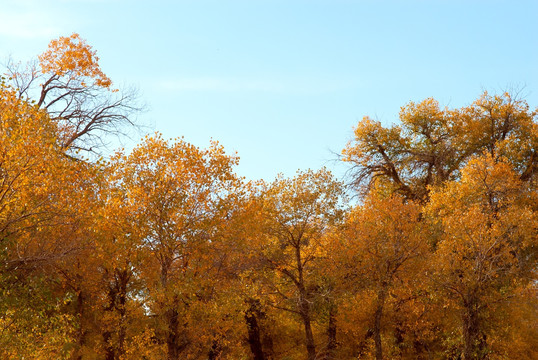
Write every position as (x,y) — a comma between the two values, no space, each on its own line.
(41,223)
(68,83)
(378,254)
(124,328)
(486,246)
(47,198)
(180,200)
(297,213)
(102,279)
(431,145)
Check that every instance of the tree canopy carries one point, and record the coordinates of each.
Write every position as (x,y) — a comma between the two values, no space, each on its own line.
(164,252)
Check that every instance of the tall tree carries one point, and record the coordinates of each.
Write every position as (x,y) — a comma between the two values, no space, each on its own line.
(179,194)
(52,108)
(379,252)
(41,220)
(486,246)
(69,84)
(431,145)
(297,213)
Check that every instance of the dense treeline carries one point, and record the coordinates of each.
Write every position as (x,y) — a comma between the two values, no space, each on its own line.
(164,253)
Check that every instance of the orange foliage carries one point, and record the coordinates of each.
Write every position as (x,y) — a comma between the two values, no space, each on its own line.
(165,253)
(71,56)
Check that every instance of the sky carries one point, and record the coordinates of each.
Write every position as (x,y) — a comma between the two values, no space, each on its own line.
(283,82)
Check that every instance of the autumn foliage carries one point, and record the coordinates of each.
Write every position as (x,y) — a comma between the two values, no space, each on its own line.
(164,252)
(71,56)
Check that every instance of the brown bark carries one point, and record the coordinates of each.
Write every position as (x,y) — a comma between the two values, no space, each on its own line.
(254,331)
(82,332)
(310,345)
(174,338)
(110,353)
(173,350)
(474,340)
(331,334)
(216,350)
(117,298)
(122,299)
(304,306)
(382,294)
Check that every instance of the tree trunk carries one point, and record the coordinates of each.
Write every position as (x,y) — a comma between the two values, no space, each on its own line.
(174,343)
(215,351)
(172,322)
(310,345)
(331,333)
(81,334)
(122,300)
(117,298)
(474,340)
(254,332)
(304,307)
(110,354)
(381,295)
(399,331)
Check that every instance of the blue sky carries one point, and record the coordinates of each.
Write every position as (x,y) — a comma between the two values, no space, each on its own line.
(284,82)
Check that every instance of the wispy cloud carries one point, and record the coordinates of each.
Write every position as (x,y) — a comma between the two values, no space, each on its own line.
(235,84)
(34,19)
(219,84)
(27,25)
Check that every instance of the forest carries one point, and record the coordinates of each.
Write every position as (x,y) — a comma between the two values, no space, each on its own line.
(427,251)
